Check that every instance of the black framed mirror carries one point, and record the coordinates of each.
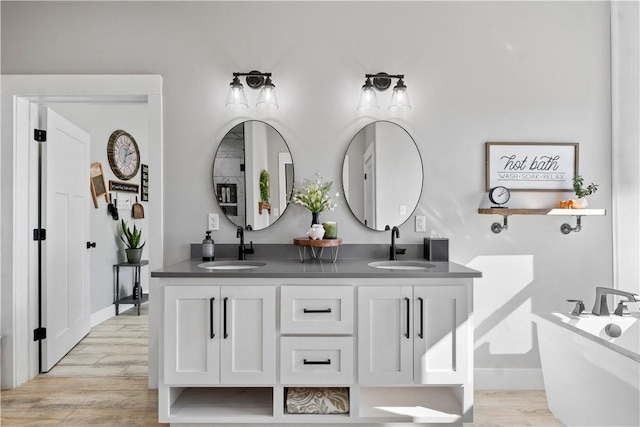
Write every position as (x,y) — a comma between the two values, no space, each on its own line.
(382,175)
(253,175)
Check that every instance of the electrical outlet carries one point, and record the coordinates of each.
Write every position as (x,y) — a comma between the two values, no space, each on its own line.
(421,224)
(214,223)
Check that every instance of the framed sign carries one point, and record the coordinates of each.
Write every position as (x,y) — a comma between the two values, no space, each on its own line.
(144,190)
(124,187)
(528,166)
(98,188)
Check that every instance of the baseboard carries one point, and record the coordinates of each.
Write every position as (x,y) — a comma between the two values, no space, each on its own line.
(107,313)
(508,379)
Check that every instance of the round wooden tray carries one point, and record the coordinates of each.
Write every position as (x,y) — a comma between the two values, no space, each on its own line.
(322,243)
(303,242)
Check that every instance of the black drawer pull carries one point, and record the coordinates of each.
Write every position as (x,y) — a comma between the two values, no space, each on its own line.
(311,310)
(421,334)
(316,362)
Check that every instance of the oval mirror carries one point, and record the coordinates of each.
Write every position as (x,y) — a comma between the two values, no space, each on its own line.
(253,175)
(382,175)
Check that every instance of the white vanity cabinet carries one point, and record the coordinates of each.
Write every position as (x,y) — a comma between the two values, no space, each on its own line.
(219,335)
(401,345)
(413,335)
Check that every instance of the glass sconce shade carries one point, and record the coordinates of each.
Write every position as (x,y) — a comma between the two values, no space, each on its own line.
(368,97)
(236,98)
(400,97)
(267,99)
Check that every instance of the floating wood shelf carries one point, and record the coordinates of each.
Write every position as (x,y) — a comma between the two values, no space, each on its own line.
(496,227)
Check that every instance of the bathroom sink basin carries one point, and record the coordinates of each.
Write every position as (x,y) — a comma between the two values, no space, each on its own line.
(231,265)
(401,265)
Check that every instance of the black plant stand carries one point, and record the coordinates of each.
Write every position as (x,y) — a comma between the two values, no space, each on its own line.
(136,282)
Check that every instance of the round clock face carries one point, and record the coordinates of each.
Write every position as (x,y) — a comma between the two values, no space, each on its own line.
(123,154)
(499,195)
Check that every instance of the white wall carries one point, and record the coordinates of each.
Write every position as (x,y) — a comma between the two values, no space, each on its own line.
(476,72)
(100,120)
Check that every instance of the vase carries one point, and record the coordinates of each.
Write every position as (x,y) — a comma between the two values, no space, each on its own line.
(134,255)
(580,203)
(315,218)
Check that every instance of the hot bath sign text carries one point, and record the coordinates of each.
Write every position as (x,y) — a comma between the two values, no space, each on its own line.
(535,168)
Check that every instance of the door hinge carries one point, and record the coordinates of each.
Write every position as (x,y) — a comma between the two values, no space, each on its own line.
(40,135)
(39,234)
(39,334)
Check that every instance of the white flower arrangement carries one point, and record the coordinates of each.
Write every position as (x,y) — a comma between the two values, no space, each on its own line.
(314,195)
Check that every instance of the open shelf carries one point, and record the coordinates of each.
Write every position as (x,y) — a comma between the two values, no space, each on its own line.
(496,227)
(410,404)
(524,211)
(223,402)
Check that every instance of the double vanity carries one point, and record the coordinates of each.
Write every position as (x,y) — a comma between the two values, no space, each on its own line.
(233,336)
(238,341)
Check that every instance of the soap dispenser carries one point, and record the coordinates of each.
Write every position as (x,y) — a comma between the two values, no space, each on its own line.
(208,248)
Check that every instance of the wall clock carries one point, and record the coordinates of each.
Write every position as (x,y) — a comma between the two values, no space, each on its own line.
(499,195)
(123,155)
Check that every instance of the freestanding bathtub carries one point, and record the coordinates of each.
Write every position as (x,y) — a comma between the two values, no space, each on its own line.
(590,378)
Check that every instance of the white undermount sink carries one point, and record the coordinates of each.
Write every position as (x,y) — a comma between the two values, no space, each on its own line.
(401,265)
(231,265)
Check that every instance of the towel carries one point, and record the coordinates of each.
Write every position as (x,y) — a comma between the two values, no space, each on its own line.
(317,400)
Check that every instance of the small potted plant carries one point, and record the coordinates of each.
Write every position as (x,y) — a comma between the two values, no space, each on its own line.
(582,192)
(264,204)
(131,239)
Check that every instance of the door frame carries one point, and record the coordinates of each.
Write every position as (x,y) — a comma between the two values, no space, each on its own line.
(19,353)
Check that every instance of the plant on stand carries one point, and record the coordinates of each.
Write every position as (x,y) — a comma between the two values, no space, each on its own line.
(131,239)
(314,195)
(582,192)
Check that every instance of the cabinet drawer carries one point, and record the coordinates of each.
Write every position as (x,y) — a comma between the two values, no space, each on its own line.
(316,310)
(316,360)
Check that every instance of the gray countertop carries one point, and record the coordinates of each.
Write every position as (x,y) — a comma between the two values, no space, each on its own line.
(293,268)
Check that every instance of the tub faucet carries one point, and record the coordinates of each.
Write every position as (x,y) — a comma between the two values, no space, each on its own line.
(600,307)
(241,249)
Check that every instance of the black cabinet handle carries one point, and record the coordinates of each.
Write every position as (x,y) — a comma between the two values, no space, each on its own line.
(316,362)
(91,245)
(421,334)
(311,310)
(211,333)
(408,301)
(224,318)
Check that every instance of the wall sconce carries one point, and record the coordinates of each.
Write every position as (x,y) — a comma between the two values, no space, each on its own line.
(255,79)
(381,82)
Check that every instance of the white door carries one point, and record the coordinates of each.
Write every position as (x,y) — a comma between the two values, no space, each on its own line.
(385,335)
(192,334)
(441,335)
(66,304)
(247,349)
(370,187)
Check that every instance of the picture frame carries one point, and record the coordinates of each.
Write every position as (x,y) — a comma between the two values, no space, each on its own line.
(144,189)
(97,184)
(531,166)
(123,187)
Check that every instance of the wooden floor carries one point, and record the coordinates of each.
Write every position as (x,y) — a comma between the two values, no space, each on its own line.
(103,382)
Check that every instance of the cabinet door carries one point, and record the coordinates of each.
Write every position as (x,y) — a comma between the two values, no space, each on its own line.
(191,334)
(385,335)
(442,334)
(248,342)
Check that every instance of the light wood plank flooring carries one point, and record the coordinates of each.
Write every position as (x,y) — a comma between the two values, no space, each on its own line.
(103,382)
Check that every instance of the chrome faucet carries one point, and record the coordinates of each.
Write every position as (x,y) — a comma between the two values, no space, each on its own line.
(600,308)
(241,249)
(395,233)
